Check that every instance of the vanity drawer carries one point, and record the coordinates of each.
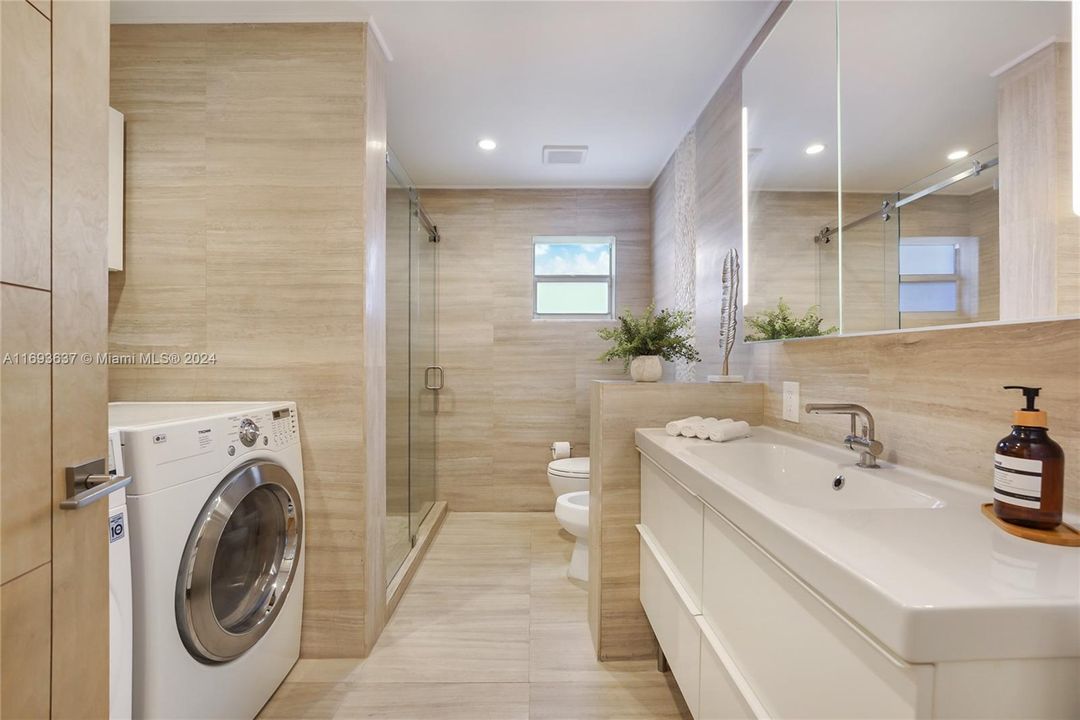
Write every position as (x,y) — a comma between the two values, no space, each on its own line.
(673,516)
(722,696)
(673,620)
(801,657)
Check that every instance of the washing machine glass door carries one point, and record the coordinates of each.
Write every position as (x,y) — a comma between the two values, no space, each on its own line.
(239,562)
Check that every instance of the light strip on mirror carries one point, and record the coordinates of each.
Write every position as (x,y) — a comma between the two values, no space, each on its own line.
(746,207)
(839,185)
(1075,12)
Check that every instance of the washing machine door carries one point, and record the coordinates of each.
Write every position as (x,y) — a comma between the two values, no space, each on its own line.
(239,562)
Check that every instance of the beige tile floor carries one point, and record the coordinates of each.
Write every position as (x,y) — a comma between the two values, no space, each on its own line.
(490,629)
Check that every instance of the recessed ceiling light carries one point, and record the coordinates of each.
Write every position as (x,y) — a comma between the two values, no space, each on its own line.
(957,154)
(486,144)
(814,149)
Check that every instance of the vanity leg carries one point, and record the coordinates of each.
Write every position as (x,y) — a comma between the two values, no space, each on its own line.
(661,660)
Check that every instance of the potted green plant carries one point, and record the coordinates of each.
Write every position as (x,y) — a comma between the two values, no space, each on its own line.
(642,341)
(781,323)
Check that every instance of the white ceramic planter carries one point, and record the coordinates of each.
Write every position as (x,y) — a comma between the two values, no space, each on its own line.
(646,368)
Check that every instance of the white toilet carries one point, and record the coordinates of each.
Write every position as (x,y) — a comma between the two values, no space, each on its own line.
(572,512)
(568,475)
(569,480)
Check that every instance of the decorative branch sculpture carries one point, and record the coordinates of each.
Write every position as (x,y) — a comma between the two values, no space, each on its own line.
(730,277)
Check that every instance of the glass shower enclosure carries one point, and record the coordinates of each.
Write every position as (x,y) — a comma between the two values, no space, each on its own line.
(413,376)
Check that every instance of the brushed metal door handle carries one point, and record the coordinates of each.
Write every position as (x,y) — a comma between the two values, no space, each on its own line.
(87,483)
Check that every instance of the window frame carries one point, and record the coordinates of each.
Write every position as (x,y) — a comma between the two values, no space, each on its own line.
(610,241)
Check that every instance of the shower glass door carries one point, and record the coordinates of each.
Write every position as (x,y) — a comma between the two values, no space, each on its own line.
(412,374)
(426,375)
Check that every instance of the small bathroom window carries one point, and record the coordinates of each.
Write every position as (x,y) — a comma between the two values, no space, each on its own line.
(939,275)
(573,277)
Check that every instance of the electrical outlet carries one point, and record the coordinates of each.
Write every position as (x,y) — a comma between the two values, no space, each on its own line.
(791,401)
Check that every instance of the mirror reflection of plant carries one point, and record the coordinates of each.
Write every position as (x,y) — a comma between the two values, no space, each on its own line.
(653,333)
(781,324)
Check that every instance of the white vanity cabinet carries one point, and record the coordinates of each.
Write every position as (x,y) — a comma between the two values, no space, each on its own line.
(801,656)
(673,518)
(672,545)
(746,637)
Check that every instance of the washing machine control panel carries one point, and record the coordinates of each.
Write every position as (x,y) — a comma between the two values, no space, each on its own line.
(271,429)
(172,452)
(281,427)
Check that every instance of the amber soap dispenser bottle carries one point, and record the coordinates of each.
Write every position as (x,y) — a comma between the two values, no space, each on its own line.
(1029,469)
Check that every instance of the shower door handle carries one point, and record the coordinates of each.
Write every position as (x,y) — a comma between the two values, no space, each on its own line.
(428,384)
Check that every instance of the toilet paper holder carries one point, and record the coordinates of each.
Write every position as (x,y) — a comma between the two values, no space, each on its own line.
(552,448)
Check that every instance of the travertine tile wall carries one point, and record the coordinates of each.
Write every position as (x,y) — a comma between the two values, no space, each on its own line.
(514,384)
(247,173)
(373,357)
(936,393)
(1040,233)
(983,215)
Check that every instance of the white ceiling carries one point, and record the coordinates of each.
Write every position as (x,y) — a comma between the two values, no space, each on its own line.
(628,79)
(915,84)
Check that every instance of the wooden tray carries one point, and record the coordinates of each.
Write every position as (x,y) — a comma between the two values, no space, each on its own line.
(1063,534)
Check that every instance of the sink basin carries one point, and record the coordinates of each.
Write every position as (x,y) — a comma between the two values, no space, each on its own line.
(796,477)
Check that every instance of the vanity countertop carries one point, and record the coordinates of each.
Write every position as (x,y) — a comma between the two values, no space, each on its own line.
(921,570)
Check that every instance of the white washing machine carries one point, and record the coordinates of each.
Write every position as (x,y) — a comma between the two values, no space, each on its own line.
(120,627)
(216,520)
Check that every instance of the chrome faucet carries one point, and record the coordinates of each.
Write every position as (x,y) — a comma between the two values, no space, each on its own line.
(861,442)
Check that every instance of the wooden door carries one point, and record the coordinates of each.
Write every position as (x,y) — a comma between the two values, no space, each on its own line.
(54,612)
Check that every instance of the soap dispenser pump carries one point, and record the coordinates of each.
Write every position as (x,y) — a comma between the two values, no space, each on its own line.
(1029,469)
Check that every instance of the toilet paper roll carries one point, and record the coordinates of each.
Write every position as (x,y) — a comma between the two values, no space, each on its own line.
(730,431)
(560,450)
(675,427)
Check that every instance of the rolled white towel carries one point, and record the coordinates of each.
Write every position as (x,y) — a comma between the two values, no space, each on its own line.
(689,429)
(700,429)
(710,425)
(730,431)
(675,427)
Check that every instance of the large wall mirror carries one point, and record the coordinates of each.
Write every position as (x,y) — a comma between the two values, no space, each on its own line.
(908,164)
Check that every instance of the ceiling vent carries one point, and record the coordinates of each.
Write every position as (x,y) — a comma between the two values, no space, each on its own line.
(565,154)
